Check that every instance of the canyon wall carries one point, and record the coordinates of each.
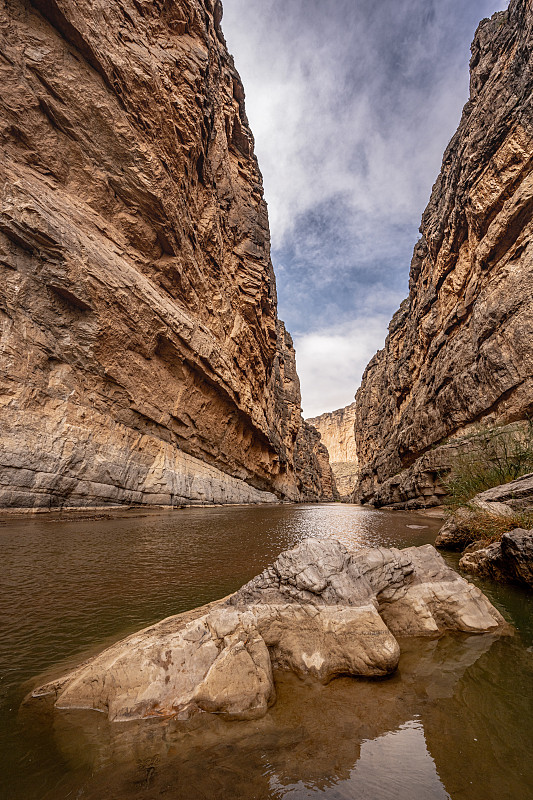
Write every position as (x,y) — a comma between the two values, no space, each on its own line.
(141,357)
(460,349)
(337,433)
(312,453)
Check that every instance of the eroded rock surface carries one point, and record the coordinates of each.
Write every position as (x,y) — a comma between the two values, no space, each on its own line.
(141,357)
(319,610)
(316,478)
(460,348)
(337,432)
(510,559)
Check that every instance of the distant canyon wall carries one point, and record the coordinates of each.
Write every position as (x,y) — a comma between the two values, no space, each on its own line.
(337,433)
(141,357)
(460,348)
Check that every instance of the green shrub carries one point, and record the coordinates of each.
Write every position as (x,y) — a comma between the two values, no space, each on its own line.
(494,456)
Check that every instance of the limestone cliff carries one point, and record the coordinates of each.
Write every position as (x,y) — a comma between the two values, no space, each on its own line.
(141,358)
(313,467)
(460,348)
(337,432)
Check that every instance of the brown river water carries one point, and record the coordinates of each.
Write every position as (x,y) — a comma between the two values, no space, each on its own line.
(455,721)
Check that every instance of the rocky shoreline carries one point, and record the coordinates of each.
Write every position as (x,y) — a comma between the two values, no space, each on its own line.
(509,556)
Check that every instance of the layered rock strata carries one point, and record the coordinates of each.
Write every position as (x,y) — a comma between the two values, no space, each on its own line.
(422,485)
(319,610)
(315,473)
(460,348)
(141,358)
(337,431)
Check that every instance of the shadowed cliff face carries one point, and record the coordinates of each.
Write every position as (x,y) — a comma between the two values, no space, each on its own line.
(460,348)
(141,355)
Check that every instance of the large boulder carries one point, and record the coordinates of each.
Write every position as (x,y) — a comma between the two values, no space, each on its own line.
(327,641)
(436,599)
(510,559)
(319,610)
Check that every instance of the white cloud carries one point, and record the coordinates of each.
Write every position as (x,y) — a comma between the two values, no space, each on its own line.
(331,361)
(332,112)
(352,103)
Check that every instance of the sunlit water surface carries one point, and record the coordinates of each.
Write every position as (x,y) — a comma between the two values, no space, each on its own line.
(453,722)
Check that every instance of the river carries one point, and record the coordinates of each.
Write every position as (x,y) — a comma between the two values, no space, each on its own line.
(455,721)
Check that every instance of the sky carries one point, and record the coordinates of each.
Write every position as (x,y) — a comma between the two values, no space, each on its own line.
(352,104)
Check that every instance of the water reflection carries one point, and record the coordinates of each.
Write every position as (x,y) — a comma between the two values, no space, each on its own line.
(452,722)
(333,741)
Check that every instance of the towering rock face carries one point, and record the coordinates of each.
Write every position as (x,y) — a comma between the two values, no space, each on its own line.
(460,348)
(315,472)
(337,432)
(141,358)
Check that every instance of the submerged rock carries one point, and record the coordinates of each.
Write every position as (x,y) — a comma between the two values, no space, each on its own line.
(319,610)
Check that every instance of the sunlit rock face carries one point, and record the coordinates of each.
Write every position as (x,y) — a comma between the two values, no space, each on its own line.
(141,355)
(460,348)
(319,610)
(337,431)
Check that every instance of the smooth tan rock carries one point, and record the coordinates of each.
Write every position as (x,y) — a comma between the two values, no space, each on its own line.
(337,433)
(336,429)
(318,611)
(325,642)
(239,683)
(209,663)
(437,599)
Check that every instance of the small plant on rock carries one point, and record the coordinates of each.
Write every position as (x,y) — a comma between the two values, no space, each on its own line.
(488,528)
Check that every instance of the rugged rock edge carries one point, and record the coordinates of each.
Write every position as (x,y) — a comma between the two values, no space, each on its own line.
(141,357)
(511,558)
